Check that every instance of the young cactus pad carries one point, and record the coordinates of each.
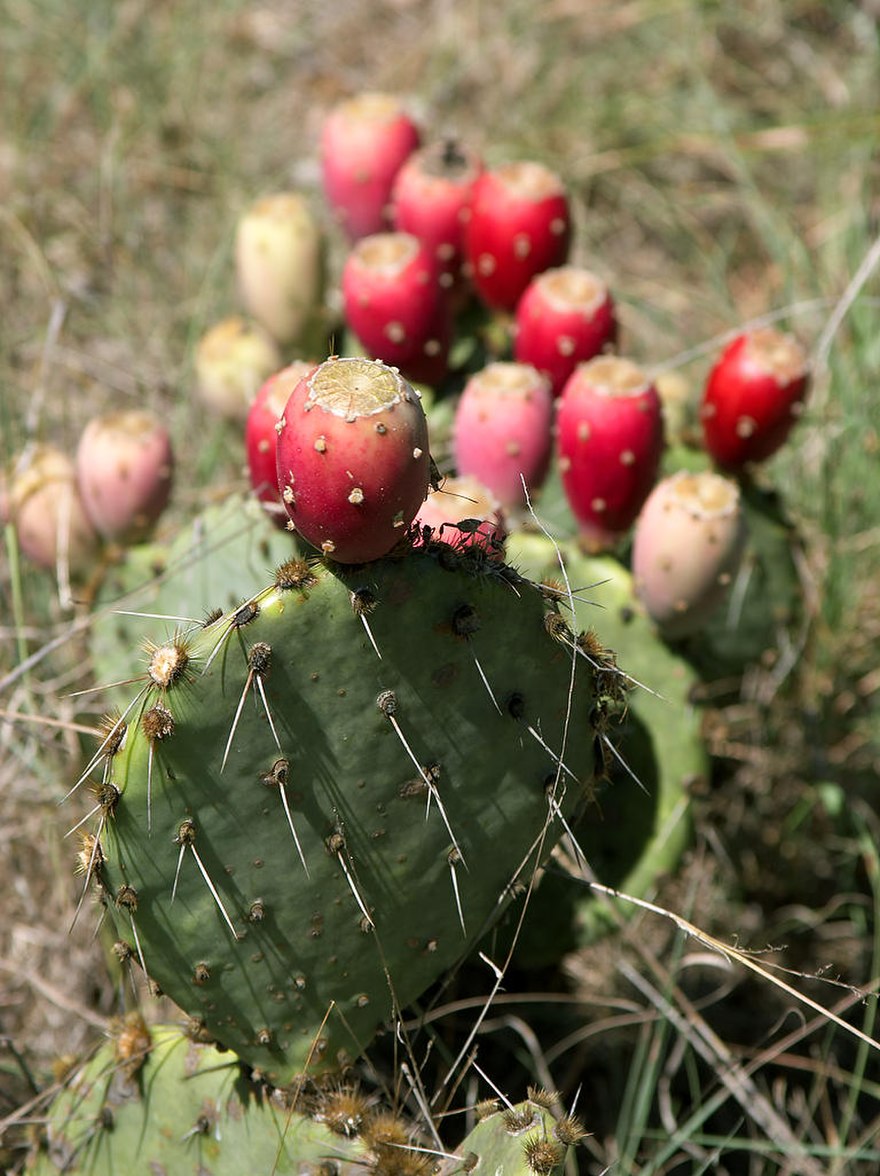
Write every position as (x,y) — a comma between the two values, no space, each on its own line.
(322,799)
(154,1101)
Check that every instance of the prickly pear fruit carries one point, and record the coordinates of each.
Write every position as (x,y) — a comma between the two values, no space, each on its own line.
(609,440)
(322,799)
(432,198)
(124,469)
(353,461)
(364,142)
(46,509)
(463,511)
(152,1100)
(753,397)
(687,545)
(502,431)
(232,360)
(395,305)
(565,317)
(261,435)
(525,1139)
(519,226)
(279,259)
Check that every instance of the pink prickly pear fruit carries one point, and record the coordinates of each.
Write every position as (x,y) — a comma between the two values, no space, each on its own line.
(124,468)
(261,435)
(609,443)
(279,259)
(432,198)
(232,360)
(353,460)
(565,317)
(503,430)
(753,397)
(394,305)
(463,512)
(44,504)
(687,545)
(364,142)
(519,226)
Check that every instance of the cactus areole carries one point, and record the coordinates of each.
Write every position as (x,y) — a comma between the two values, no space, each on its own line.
(353,461)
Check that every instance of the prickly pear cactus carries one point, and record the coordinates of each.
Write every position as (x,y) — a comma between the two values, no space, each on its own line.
(212,562)
(315,804)
(154,1101)
(643,820)
(521,1140)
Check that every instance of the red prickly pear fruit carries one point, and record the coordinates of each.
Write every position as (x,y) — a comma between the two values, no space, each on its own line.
(519,226)
(364,142)
(503,430)
(565,317)
(124,468)
(687,545)
(353,461)
(609,442)
(394,305)
(261,435)
(232,360)
(464,500)
(432,198)
(279,260)
(46,509)
(754,395)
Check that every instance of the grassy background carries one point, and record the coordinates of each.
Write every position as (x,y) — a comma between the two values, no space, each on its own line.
(723,162)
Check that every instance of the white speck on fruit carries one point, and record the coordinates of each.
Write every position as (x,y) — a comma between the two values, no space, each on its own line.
(321,444)
(564,464)
(328,546)
(432,347)
(583,431)
(417,453)
(288,496)
(745,427)
(599,505)
(512,448)
(356,497)
(565,345)
(486,264)
(395,332)
(557,226)
(627,457)
(522,246)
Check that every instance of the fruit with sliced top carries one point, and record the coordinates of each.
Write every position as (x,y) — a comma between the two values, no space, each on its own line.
(502,433)
(279,260)
(364,142)
(44,505)
(431,199)
(353,461)
(753,397)
(124,468)
(687,545)
(395,306)
(232,360)
(609,442)
(520,225)
(565,317)
(261,434)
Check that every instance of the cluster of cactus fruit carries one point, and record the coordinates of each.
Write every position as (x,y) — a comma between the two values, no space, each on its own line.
(322,790)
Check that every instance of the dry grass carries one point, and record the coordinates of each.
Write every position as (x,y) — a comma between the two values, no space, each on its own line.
(722,158)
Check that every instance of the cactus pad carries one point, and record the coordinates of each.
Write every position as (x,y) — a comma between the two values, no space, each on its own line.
(323,797)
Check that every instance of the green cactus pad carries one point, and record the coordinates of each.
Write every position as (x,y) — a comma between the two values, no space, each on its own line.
(182,1108)
(373,811)
(522,1140)
(213,562)
(638,833)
